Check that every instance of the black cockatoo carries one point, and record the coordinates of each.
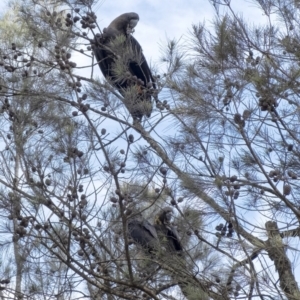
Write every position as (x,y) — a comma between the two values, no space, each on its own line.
(122,62)
(167,234)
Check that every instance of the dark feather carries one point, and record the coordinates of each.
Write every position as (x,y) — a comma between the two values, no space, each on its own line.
(169,237)
(152,237)
(117,51)
(143,233)
(140,67)
(166,232)
(173,239)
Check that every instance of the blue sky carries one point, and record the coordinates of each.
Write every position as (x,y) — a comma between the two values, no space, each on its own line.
(162,19)
(166,18)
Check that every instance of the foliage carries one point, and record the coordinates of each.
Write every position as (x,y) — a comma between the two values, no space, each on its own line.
(221,148)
